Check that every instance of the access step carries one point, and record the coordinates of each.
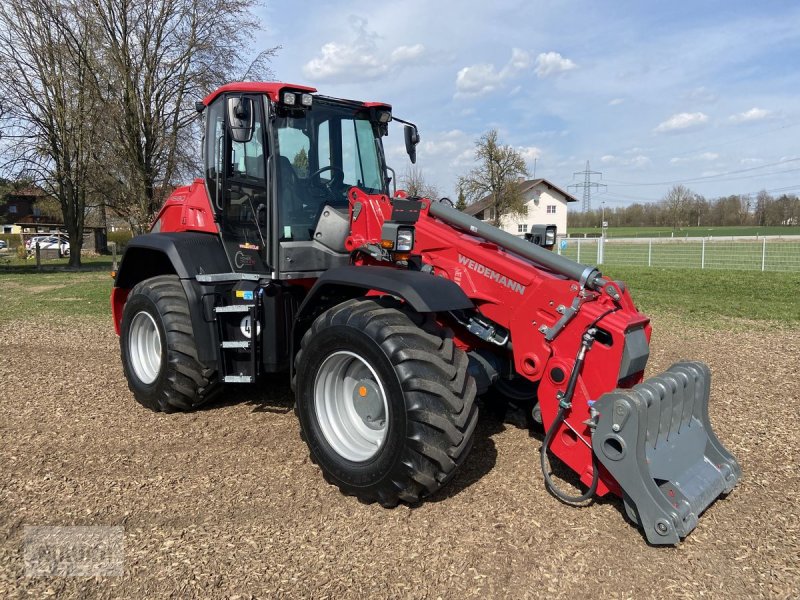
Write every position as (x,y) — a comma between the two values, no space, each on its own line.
(237,379)
(233,308)
(236,344)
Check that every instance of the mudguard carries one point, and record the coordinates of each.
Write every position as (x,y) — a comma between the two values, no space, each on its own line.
(185,254)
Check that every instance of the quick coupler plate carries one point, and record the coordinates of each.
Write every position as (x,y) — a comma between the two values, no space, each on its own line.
(656,440)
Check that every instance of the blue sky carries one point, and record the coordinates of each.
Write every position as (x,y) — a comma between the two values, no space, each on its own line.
(701,93)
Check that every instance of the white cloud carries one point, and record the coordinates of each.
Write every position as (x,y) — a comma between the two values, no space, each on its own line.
(751,161)
(483,78)
(637,161)
(702,94)
(452,149)
(616,101)
(361,60)
(695,158)
(682,121)
(754,114)
(405,54)
(552,63)
(529,153)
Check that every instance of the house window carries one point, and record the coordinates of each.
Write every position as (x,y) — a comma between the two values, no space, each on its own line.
(12,209)
(522,228)
(551,209)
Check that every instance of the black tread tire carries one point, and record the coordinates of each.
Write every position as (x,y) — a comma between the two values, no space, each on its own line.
(183,383)
(433,412)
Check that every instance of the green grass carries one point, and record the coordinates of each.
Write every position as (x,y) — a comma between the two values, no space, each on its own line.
(739,254)
(700,297)
(687,231)
(10,263)
(711,296)
(62,294)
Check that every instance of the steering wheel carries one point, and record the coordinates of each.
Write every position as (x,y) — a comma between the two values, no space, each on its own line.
(323,169)
(334,187)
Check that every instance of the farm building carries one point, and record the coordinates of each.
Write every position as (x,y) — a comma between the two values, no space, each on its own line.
(546,203)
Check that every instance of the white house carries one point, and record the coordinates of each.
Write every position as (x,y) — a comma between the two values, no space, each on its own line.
(546,203)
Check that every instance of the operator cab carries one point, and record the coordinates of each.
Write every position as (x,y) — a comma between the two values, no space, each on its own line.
(279,165)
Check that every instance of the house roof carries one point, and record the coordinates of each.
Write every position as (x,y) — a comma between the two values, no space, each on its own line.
(527,185)
(27,192)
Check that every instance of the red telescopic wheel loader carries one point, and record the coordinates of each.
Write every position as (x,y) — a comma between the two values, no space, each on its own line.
(390,314)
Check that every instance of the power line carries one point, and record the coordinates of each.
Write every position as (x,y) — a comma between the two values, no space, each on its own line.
(713,177)
(752,193)
(587,185)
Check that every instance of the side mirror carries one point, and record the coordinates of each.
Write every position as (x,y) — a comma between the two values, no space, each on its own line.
(412,139)
(241,119)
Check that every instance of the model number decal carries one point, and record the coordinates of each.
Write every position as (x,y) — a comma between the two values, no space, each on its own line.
(491,274)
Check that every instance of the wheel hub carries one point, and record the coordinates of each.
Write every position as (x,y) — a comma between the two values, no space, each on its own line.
(351,406)
(368,403)
(144,347)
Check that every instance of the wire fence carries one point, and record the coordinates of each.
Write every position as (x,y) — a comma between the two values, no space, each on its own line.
(756,254)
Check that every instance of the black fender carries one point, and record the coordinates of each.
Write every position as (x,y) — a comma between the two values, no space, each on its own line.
(423,292)
(185,254)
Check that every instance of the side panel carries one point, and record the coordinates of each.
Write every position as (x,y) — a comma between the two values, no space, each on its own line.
(187,209)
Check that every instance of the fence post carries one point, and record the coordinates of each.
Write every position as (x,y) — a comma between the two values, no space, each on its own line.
(114,250)
(703,255)
(764,254)
(39,256)
(600,250)
(579,251)
(650,253)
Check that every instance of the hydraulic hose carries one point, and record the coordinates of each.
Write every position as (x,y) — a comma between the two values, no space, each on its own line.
(565,404)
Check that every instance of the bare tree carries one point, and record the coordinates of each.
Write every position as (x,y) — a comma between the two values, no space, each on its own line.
(496,176)
(677,203)
(160,57)
(414,184)
(46,78)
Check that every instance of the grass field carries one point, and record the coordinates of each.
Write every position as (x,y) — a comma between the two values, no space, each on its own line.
(705,296)
(686,231)
(778,255)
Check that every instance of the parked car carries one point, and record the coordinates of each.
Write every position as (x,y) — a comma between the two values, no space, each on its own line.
(3,244)
(48,242)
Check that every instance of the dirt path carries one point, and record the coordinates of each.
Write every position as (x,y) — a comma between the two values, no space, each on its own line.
(225,502)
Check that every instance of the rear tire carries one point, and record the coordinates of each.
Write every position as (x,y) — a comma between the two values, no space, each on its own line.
(395,359)
(159,355)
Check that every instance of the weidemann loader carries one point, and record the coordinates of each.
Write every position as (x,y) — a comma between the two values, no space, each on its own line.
(390,314)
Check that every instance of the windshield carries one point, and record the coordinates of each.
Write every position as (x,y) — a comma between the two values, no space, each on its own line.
(321,153)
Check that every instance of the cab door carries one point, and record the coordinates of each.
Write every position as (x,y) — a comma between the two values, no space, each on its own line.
(237,179)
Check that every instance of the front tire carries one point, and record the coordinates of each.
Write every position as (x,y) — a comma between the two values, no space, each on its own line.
(385,402)
(159,355)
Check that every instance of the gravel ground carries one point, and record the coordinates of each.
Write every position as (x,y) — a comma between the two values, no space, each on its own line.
(225,502)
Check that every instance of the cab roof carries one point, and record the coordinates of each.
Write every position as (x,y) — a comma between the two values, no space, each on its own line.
(272,90)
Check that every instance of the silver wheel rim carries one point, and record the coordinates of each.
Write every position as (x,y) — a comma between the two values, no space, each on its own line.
(144,347)
(353,423)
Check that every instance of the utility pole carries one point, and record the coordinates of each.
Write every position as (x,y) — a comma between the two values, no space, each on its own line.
(587,185)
